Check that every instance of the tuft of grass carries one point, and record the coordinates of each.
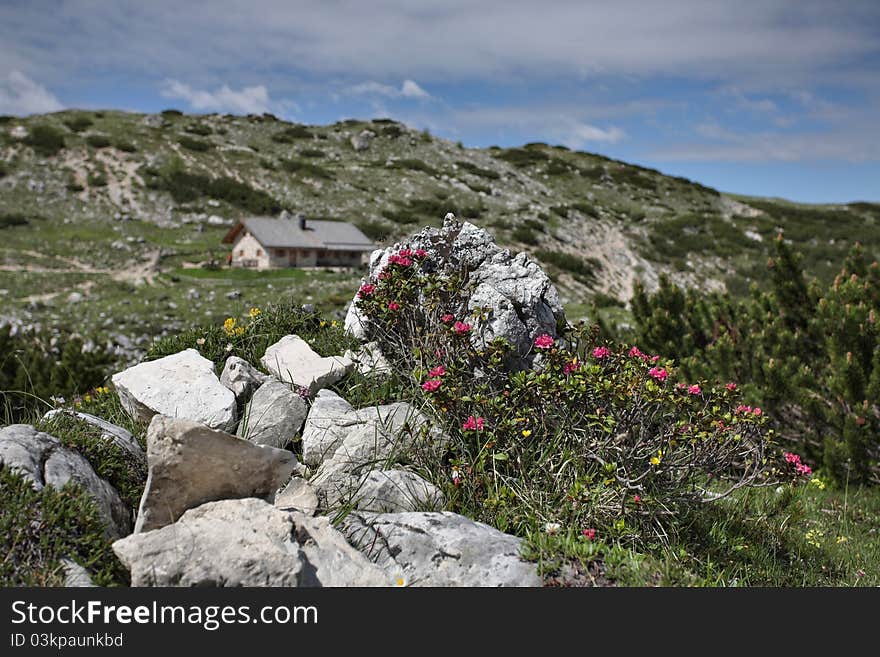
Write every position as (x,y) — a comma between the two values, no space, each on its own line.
(196,145)
(45,140)
(306,169)
(582,268)
(98,141)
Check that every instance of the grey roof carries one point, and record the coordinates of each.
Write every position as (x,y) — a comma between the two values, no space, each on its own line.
(286,233)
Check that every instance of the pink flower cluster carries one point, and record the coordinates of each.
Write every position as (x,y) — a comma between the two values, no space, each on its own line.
(756,411)
(394,306)
(461,328)
(571,366)
(589,534)
(694,390)
(401,258)
(432,385)
(474,424)
(447,318)
(437,372)
(366,290)
(543,341)
(731,386)
(635,352)
(659,373)
(795,460)
(601,352)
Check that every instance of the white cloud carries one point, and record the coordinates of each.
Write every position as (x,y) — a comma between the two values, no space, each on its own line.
(248,100)
(582,133)
(20,96)
(409,89)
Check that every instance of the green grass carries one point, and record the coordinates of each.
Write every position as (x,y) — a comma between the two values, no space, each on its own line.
(237,274)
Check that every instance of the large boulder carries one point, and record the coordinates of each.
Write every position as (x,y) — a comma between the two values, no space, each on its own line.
(523,301)
(241,378)
(246,542)
(44,461)
(369,360)
(440,549)
(120,437)
(273,416)
(181,385)
(292,360)
(190,464)
(298,495)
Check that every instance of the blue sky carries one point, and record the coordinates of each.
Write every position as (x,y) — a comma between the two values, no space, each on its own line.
(770,97)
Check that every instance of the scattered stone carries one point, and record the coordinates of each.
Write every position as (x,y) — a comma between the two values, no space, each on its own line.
(298,495)
(369,360)
(18,132)
(362,141)
(292,360)
(522,299)
(120,437)
(234,294)
(74,297)
(181,385)
(242,542)
(44,461)
(331,561)
(215,220)
(440,549)
(190,464)
(246,542)
(241,378)
(75,576)
(274,415)
(392,491)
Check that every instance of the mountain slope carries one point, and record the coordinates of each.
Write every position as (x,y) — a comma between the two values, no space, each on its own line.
(96,205)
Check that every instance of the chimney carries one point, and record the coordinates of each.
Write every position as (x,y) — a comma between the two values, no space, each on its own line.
(302,221)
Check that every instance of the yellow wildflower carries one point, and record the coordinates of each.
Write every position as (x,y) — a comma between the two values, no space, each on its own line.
(229,325)
(253,312)
(818,483)
(655,460)
(842,539)
(526,433)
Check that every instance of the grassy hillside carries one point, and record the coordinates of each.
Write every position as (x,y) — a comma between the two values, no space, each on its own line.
(106,217)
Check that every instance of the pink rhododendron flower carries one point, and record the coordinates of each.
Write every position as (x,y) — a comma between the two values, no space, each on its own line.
(791,458)
(803,469)
(447,318)
(695,390)
(590,533)
(398,259)
(461,328)
(601,352)
(742,408)
(659,373)
(421,253)
(654,359)
(571,366)
(384,275)
(757,411)
(543,341)
(637,499)
(636,352)
(731,386)
(393,306)
(437,371)
(366,290)
(473,424)
(431,385)
(405,253)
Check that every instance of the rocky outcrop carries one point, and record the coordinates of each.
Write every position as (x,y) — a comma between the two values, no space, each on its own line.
(440,549)
(298,495)
(190,464)
(390,491)
(522,300)
(44,461)
(241,378)
(273,416)
(292,360)
(181,385)
(245,542)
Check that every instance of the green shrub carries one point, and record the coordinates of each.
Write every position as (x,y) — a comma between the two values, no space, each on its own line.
(45,140)
(584,269)
(125,146)
(186,187)
(309,169)
(39,528)
(289,134)
(522,157)
(391,131)
(199,129)
(478,171)
(524,234)
(586,208)
(78,123)
(375,230)
(124,472)
(97,178)
(311,152)
(558,168)
(594,438)
(9,219)
(196,145)
(561,210)
(74,187)
(411,164)
(171,113)
(4,170)
(536,225)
